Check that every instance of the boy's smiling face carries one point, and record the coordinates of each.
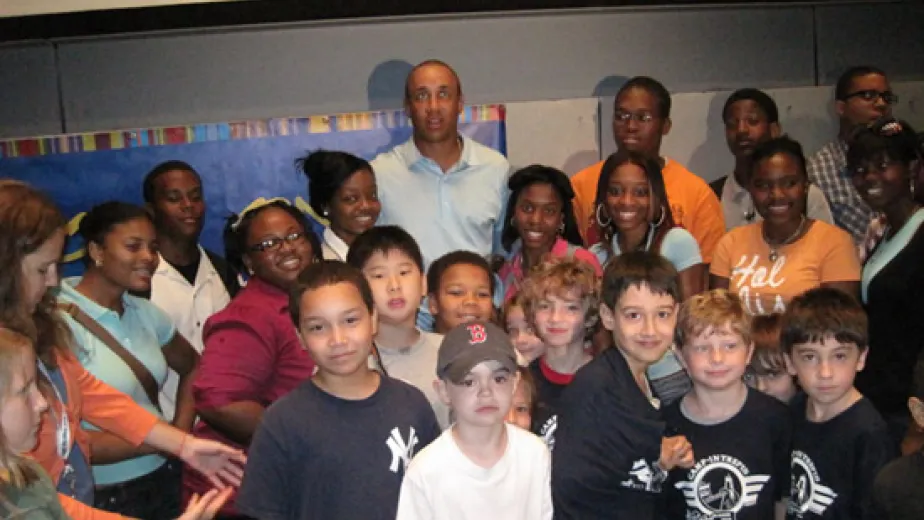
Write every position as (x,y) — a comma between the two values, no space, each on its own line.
(642,324)
(826,369)
(464,295)
(336,328)
(716,358)
(560,319)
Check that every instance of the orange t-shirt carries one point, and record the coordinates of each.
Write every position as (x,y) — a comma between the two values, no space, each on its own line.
(693,205)
(96,402)
(824,254)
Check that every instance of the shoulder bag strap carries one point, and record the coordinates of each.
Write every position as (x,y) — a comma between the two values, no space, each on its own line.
(141,372)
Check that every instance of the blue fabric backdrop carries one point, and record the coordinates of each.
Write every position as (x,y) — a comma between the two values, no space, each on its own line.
(234,172)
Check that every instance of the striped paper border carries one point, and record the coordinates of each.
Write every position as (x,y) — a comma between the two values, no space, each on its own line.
(253,129)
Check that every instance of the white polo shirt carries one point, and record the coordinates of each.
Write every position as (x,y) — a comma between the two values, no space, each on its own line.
(188,306)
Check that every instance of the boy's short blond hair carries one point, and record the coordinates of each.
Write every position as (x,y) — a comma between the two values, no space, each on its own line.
(559,278)
(713,309)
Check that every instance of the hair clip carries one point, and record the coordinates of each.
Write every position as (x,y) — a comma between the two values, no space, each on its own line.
(255,205)
(891,128)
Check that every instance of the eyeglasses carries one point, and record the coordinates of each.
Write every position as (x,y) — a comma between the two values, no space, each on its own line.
(623,117)
(871,95)
(273,244)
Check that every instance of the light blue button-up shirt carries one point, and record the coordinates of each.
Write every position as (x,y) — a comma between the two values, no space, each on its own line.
(462,208)
(142,329)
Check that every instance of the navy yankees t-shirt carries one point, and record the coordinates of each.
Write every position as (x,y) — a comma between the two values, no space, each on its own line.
(317,456)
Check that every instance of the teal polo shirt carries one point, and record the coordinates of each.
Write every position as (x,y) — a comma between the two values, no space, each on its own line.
(142,329)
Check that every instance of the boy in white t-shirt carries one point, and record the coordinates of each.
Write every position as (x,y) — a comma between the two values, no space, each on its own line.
(480,467)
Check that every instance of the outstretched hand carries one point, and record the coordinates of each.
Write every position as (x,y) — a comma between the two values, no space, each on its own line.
(206,506)
(222,465)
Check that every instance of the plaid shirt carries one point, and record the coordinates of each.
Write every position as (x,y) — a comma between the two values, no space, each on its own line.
(828,170)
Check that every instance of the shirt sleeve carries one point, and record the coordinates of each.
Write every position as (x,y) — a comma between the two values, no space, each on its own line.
(160,322)
(872,452)
(265,491)
(496,247)
(681,249)
(108,409)
(708,222)
(431,429)
(885,500)
(546,509)
(235,365)
(721,258)
(412,502)
(782,446)
(817,206)
(840,263)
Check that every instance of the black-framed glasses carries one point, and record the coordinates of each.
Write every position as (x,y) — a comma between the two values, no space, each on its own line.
(273,244)
(887,96)
(624,116)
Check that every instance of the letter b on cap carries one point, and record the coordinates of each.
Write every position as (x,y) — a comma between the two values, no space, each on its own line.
(477,332)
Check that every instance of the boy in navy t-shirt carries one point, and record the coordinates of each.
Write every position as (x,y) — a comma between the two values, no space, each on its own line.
(611,454)
(338,445)
(740,435)
(840,442)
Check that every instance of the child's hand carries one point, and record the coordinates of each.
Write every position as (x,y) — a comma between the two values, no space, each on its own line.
(206,506)
(676,452)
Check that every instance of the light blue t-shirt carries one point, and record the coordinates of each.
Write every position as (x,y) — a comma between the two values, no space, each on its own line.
(142,329)
(461,209)
(678,247)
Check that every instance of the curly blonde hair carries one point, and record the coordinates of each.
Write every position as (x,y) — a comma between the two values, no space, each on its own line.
(562,278)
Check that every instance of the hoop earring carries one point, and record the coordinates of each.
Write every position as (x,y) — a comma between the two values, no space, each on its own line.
(660,220)
(911,185)
(561,227)
(600,219)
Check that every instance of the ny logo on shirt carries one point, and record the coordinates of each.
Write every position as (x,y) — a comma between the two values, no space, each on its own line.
(807,495)
(401,452)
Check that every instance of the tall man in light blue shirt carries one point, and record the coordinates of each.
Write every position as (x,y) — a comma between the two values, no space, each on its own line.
(448,191)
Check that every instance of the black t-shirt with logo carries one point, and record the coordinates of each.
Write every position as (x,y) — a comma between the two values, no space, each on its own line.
(606,446)
(834,463)
(318,456)
(549,388)
(742,463)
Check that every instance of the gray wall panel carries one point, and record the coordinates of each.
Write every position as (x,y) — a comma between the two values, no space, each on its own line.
(286,71)
(28,91)
(890,36)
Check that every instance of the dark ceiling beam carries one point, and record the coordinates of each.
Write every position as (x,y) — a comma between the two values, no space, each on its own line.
(255,12)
